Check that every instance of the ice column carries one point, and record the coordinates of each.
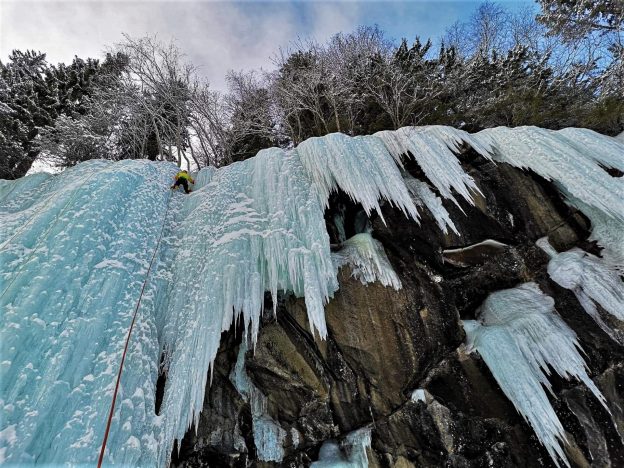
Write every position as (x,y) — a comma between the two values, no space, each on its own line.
(268,435)
(350,454)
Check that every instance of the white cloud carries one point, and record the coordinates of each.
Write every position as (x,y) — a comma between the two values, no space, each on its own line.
(216,36)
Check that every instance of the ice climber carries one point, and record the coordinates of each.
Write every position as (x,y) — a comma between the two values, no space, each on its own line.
(183,178)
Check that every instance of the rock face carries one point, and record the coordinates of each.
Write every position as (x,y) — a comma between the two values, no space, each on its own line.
(384,344)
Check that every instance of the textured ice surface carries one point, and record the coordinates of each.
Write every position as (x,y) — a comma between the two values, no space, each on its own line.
(367,259)
(434,149)
(592,280)
(360,166)
(75,248)
(256,226)
(604,151)
(607,231)
(424,196)
(519,335)
(268,434)
(570,158)
(71,273)
(350,454)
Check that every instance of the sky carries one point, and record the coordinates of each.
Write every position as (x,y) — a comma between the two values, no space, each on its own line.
(216,36)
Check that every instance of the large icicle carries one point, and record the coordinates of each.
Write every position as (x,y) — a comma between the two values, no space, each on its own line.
(519,335)
(360,166)
(561,157)
(434,150)
(423,195)
(591,279)
(367,259)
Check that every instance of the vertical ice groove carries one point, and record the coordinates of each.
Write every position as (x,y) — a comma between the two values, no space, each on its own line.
(434,149)
(361,166)
(519,335)
(367,259)
(592,280)
(569,158)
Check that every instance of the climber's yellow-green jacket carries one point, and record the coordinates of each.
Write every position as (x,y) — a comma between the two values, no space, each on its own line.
(184,175)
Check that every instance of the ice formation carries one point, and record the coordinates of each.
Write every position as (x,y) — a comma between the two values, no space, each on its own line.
(268,435)
(75,250)
(367,259)
(70,274)
(360,166)
(568,157)
(591,279)
(350,454)
(434,149)
(519,336)
(424,196)
(607,231)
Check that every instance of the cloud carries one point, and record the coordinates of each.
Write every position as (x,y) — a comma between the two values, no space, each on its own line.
(216,36)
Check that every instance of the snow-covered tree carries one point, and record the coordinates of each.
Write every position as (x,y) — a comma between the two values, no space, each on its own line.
(577,18)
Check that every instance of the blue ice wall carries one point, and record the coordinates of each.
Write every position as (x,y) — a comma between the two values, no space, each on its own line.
(75,250)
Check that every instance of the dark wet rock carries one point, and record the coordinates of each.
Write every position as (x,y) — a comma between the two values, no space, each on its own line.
(384,344)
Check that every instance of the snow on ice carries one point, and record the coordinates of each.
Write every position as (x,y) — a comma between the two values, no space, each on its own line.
(75,249)
(519,335)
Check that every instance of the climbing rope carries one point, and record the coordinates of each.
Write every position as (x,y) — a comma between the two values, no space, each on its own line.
(123,356)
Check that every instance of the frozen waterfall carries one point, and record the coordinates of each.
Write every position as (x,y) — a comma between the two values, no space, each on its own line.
(75,249)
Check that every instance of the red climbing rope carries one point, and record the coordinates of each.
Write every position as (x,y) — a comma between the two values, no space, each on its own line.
(123,356)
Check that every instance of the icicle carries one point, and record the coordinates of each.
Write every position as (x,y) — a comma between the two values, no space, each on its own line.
(433,149)
(562,158)
(360,166)
(606,231)
(423,195)
(268,435)
(519,335)
(591,279)
(367,259)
